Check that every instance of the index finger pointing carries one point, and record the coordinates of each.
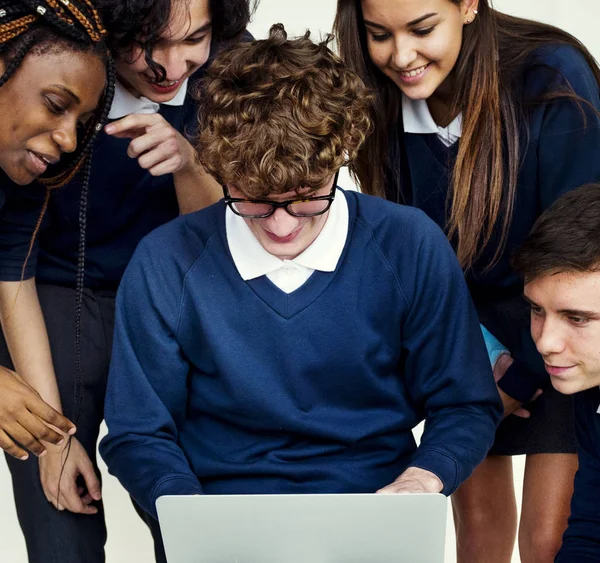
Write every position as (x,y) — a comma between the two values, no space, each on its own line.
(131,126)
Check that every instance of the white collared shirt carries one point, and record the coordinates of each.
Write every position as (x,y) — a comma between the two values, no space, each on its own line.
(125,103)
(253,261)
(417,119)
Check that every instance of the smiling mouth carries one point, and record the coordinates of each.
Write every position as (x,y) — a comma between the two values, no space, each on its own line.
(414,72)
(47,161)
(558,370)
(166,83)
(283,240)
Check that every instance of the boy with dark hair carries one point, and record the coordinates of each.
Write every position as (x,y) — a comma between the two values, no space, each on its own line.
(288,338)
(560,262)
(143,174)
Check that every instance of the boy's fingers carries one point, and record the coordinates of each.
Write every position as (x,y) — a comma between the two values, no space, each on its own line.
(143,143)
(169,166)
(131,126)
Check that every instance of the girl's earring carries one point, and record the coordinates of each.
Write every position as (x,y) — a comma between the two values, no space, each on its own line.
(472,18)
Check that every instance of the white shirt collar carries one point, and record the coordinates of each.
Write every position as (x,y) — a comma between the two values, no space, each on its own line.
(417,119)
(253,261)
(125,103)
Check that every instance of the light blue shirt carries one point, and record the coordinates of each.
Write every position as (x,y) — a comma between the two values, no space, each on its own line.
(495,348)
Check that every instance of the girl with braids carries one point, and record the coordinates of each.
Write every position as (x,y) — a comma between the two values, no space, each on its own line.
(142,174)
(52,77)
(482,121)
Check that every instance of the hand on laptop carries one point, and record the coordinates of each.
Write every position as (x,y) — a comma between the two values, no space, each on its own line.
(414,480)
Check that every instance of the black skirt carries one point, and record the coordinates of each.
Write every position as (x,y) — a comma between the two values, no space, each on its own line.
(549,430)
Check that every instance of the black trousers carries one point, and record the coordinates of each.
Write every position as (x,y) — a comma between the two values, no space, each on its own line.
(54,536)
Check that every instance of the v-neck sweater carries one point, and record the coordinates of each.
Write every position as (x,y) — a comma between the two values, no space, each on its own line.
(221,385)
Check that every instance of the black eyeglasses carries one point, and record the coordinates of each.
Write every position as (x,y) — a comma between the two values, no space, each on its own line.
(261,208)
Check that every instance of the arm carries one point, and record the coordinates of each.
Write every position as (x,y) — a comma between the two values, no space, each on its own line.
(195,188)
(501,361)
(27,340)
(147,386)
(446,370)
(23,414)
(161,149)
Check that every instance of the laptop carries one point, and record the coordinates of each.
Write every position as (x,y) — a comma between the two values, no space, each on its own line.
(330,528)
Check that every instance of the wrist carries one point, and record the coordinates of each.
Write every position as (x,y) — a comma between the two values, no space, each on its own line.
(430,481)
(188,155)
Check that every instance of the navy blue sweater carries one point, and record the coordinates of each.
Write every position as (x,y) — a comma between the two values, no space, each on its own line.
(221,386)
(581,542)
(560,153)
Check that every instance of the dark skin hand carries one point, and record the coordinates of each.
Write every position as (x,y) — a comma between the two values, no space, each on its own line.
(26,420)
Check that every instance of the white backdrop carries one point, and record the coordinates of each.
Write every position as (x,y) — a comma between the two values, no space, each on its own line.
(127,538)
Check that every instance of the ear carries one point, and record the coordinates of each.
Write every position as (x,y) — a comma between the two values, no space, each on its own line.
(469,10)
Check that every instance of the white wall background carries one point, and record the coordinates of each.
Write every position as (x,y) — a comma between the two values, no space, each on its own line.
(127,538)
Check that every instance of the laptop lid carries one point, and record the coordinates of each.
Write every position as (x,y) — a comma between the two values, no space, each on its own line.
(349,528)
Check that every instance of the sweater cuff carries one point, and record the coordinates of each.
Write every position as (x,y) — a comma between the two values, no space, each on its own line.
(521,383)
(175,485)
(439,463)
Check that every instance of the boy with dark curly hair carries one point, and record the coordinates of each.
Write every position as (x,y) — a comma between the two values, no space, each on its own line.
(288,338)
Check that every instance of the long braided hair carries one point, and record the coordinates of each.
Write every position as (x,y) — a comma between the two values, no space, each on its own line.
(30,25)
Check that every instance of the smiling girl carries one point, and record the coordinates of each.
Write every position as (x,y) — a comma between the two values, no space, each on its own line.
(482,121)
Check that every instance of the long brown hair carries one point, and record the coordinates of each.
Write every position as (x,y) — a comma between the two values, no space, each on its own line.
(494,52)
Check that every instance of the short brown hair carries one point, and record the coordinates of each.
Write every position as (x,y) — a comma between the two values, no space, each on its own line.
(566,237)
(279,114)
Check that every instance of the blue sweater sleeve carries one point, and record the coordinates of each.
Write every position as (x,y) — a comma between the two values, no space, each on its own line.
(581,542)
(567,153)
(447,370)
(18,220)
(141,448)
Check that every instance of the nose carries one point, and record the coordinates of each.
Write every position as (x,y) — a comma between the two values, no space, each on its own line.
(65,136)
(281,223)
(547,335)
(404,53)
(173,59)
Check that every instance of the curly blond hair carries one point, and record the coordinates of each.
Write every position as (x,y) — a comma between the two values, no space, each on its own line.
(278,115)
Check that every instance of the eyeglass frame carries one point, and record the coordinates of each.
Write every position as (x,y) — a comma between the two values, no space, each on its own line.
(229,201)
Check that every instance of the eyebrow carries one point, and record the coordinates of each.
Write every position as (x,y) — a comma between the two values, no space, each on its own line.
(409,24)
(572,312)
(201,29)
(68,92)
